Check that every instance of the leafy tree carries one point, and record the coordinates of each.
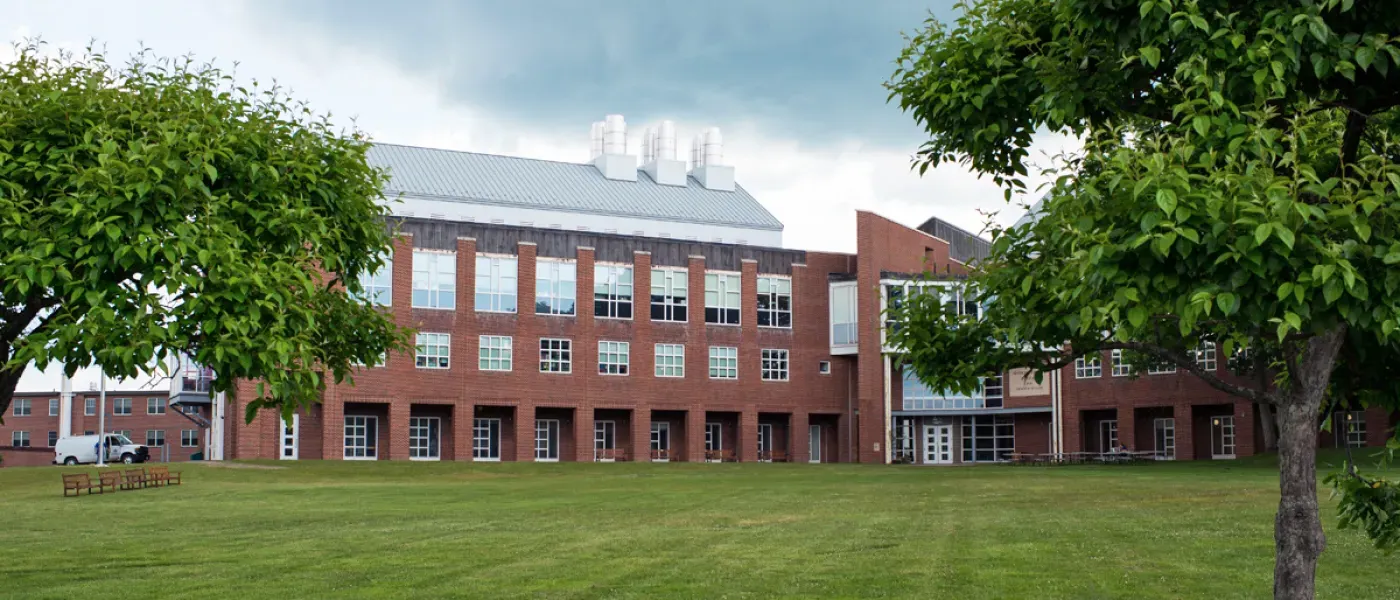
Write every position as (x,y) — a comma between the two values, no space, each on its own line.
(1238,185)
(157,207)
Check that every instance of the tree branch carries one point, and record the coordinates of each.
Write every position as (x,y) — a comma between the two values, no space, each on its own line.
(1191,366)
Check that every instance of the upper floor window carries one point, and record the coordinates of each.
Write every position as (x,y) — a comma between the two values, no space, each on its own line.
(495,283)
(919,396)
(121,406)
(670,360)
(1161,368)
(22,407)
(53,407)
(668,294)
(378,287)
(1086,367)
(435,280)
(555,287)
(1121,367)
(494,353)
(774,302)
(613,358)
(774,366)
(724,362)
(612,291)
(89,406)
(434,351)
(1205,356)
(843,314)
(556,355)
(722,298)
(155,406)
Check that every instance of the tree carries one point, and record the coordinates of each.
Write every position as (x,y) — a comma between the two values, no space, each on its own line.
(1238,185)
(158,207)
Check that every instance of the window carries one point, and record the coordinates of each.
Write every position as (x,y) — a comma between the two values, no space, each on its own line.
(722,298)
(556,356)
(494,353)
(22,407)
(19,439)
(423,436)
(670,360)
(714,436)
(89,406)
(724,362)
(1121,368)
(546,440)
(155,406)
(668,294)
(1353,429)
(486,439)
(53,438)
(121,406)
(774,302)
(189,409)
(1164,438)
(1086,367)
(189,438)
(155,437)
(379,285)
(824,367)
(126,433)
(1161,368)
(904,439)
(843,314)
(612,291)
(1205,356)
(361,437)
(613,358)
(435,280)
(988,438)
(660,440)
(53,407)
(774,365)
(604,439)
(1108,435)
(496,283)
(556,285)
(765,442)
(434,351)
(919,396)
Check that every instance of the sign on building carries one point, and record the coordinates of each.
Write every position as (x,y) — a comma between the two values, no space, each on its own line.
(1022,383)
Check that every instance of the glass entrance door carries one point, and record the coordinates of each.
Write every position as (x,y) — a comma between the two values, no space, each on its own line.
(289,438)
(1164,439)
(814,442)
(660,441)
(938,444)
(1222,437)
(546,440)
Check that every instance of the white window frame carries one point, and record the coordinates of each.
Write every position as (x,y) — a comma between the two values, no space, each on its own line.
(497,284)
(823,367)
(774,364)
(1121,367)
(434,275)
(377,288)
(774,285)
(22,407)
(89,407)
(481,439)
(765,441)
(362,423)
(53,407)
(542,439)
(1108,432)
(433,351)
(714,436)
(155,434)
(556,356)
(1353,429)
(603,430)
(289,438)
(612,292)
(20,439)
(672,288)
(670,361)
(189,438)
(1161,369)
(421,431)
(1165,427)
(661,440)
(614,358)
(155,406)
(552,278)
(850,335)
(121,407)
(724,362)
(494,353)
(1086,367)
(723,294)
(1205,357)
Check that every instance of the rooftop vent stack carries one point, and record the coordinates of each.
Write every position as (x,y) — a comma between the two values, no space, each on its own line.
(612,160)
(708,156)
(660,162)
(595,138)
(647,148)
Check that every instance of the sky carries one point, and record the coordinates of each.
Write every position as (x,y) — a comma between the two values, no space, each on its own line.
(795,86)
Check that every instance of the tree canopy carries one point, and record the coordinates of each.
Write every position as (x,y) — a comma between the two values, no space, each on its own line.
(1238,186)
(159,207)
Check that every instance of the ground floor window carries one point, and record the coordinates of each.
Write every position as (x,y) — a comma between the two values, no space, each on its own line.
(1222,437)
(1351,429)
(361,437)
(189,438)
(660,440)
(902,446)
(20,439)
(424,434)
(713,437)
(53,438)
(289,438)
(988,438)
(486,439)
(1108,436)
(1164,439)
(765,441)
(546,440)
(155,437)
(604,439)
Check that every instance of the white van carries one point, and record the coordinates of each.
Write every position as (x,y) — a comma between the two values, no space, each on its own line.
(83,449)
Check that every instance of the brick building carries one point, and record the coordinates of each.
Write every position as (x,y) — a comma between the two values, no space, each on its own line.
(35,420)
(702,339)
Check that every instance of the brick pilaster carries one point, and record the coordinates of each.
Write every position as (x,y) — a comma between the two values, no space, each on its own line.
(583,432)
(1127,427)
(799,439)
(396,430)
(525,432)
(641,434)
(463,414)
(695,434)
(748,435)
(1185,432)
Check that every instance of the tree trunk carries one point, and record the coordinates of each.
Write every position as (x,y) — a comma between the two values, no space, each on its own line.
(8,381)
(1269,425)
(1298,537)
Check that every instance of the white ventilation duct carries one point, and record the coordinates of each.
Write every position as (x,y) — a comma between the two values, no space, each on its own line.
(697,155)
(612,159)
(666,141)
(714,147)
(707,156)
(659,156)
(647,147)
(595,139)
(614,135)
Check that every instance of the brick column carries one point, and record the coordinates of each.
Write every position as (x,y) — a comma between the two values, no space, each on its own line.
(397,430)
(1127,428)
(1377,426)
(748,435)
(525,293)
(799,438)
(1244,429)
(1185,436)
(583,432)
(695,435)
(641,434)
(525,433)
(844,441)
(332,427)
(463,414)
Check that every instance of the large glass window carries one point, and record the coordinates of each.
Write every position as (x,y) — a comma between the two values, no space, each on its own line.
(121,407)
(555,287)
(613,358)
(435,280)
(379,285)
(612,291)
(1121,367)
(774,365)
(1086,367)
(724,362)
(1205,356)
(424,434)
(155,406)
(434,351)
(668,294)
(486,439)
(988,438)
(774,302)
(494,353)
(21,407)
(496,283)
(918,396)
(556,355)
(843,314)
(722,298)
(155,437)
(189,438)
(20,439)
(670,360)
(546,440)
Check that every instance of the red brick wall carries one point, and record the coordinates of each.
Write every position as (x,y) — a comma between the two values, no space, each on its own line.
(39,423)
(25,457)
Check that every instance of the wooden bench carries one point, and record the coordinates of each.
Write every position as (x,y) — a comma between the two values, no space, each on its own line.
(77,482)
(661,455)
(163,476)
(719,456)
(609,454)
(772,456)
(133,479)
(109,479)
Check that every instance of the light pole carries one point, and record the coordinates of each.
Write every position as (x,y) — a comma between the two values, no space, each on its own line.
(102,420)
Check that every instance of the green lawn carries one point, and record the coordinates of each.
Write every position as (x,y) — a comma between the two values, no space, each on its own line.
(420,530)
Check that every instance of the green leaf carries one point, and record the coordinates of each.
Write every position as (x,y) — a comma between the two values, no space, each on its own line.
(1363,229)
(1285,289)
(1364,56)
(1261,233)
(1284,235)
(1137,315)
(1150,55)
(1227,302)
(1293,320)
(1166,200)
(1201,123)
